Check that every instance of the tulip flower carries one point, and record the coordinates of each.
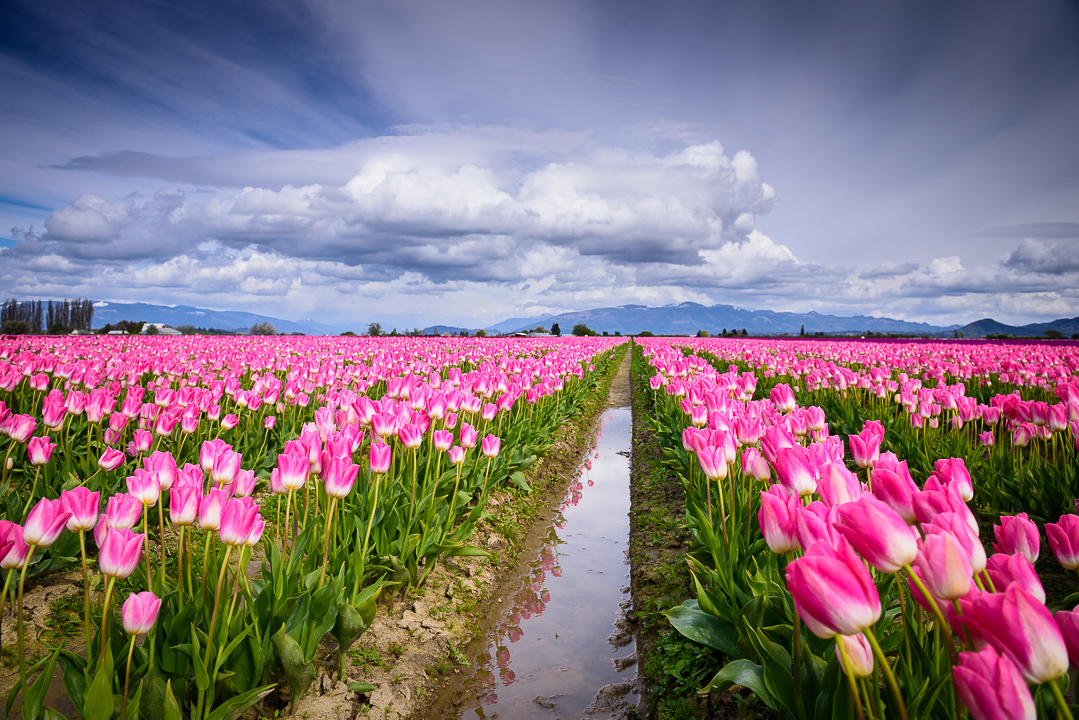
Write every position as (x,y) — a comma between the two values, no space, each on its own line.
(163,465)
(956,525)
(794,471)
(943,566)
(139,613)
(816,522)
(184,504)
(245,483)
(1004,570)
(777,519)
(237,519)
(122,511)
(833,591)
(380,457)
(1017,534)
(783,398)
(991,687)
(865,446)
(120,552)
(953,470)
(837,485)
(1019,626)
(1064,540)
(45,523)
(18,552)
(40,450)
(457,455)
(858,651)
(878,533)
(20,428)
(229,421)
(755,466)
(211,506)
(293,468)
(83,507)
(142,441)
(339,476)
(111,459)
(410,436)
(713,462)
(210,450)
(442,440)
(226,466)
(144,486)
(469,436)
(491,446)
(935,499)
(1068,621)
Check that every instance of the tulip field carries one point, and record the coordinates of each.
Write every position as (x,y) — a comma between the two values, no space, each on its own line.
(231,503)
(866,517)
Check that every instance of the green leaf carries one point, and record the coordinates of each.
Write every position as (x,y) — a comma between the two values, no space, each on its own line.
(74,672)
(202,678)
(518,479)
(361,687)
(32,699)
(98,705)
(172,708)
(744,674)
(238,704)
(703,628)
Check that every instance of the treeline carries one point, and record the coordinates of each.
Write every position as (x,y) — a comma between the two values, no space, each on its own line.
(34,316)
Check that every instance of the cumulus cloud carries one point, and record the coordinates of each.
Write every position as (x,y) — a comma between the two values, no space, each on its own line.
(1052,258)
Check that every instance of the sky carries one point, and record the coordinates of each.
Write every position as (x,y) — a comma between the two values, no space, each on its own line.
(418,162)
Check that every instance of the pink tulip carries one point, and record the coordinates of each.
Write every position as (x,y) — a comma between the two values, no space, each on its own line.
(410,436)
(943,567)
(865,446)
(816,522)
(954,471)
(184,504)
(210,450)
(144,486)
(122,511)
(237,521)
(255,533)
(163,465)
(20,428)
(1017,534)
(229,421)
(442,440)
(469,436)
(755,466)
(139,613)
(878,534)
(53,410)
(897,491)
(457,455)
(45,522)
(83,506)
(269,422)
(491,446)
(1064,540)
(380,458)
(956,525)
(935,499)
(226,466)
(245,483)
(277,485)
(1019,626)
(783,398)
(40,450)
(142,441)
(18,553)
(777,519)
(987,438)
(339,476)
(991,687)
(293,468)
(1007,569)
(8,532)
(794,471)
(111,459)
(838,485)
(211,506)
(859,652)
(1068,621)
(833,591)
(120,552)
(713,462)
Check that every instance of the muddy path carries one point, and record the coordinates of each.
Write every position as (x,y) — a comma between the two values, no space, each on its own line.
(557,642)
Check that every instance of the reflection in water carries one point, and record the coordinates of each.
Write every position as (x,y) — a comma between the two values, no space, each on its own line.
(554,647)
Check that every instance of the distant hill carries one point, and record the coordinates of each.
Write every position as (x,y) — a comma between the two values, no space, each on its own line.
(110,313)
(979,329)
(687,318)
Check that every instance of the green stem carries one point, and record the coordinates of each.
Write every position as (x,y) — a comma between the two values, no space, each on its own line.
(3,600)
(22,584)
(1062,706)
(105,618)
(855,697)
(217,607)
(85,593)
(161,526)
(326,544)
(888,675)
(127,677)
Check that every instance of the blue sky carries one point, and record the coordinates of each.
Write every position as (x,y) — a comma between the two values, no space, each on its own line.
(437,162)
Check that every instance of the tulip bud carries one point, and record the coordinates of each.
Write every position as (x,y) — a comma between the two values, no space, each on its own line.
(991,687)
(139,613)
(858,651)
(777,519)
(1064,540)
(1017,534)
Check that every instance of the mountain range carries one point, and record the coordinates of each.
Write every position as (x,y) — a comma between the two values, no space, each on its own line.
(682,319)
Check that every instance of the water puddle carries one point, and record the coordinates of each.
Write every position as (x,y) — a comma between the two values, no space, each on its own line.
(561,647)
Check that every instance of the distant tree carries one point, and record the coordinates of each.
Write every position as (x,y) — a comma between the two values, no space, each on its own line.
(394,333)
(152,330)
(297,332)
(555,330)
(724,332)
(374,329)
(348,333)
(646,333)
(263,328)
(744,333)
(702,333)
(16,327)
(1053,334)
(582,330)
(463,333)
(958,334)
(540,328)
(188,329)
(481,333)
(802,332)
